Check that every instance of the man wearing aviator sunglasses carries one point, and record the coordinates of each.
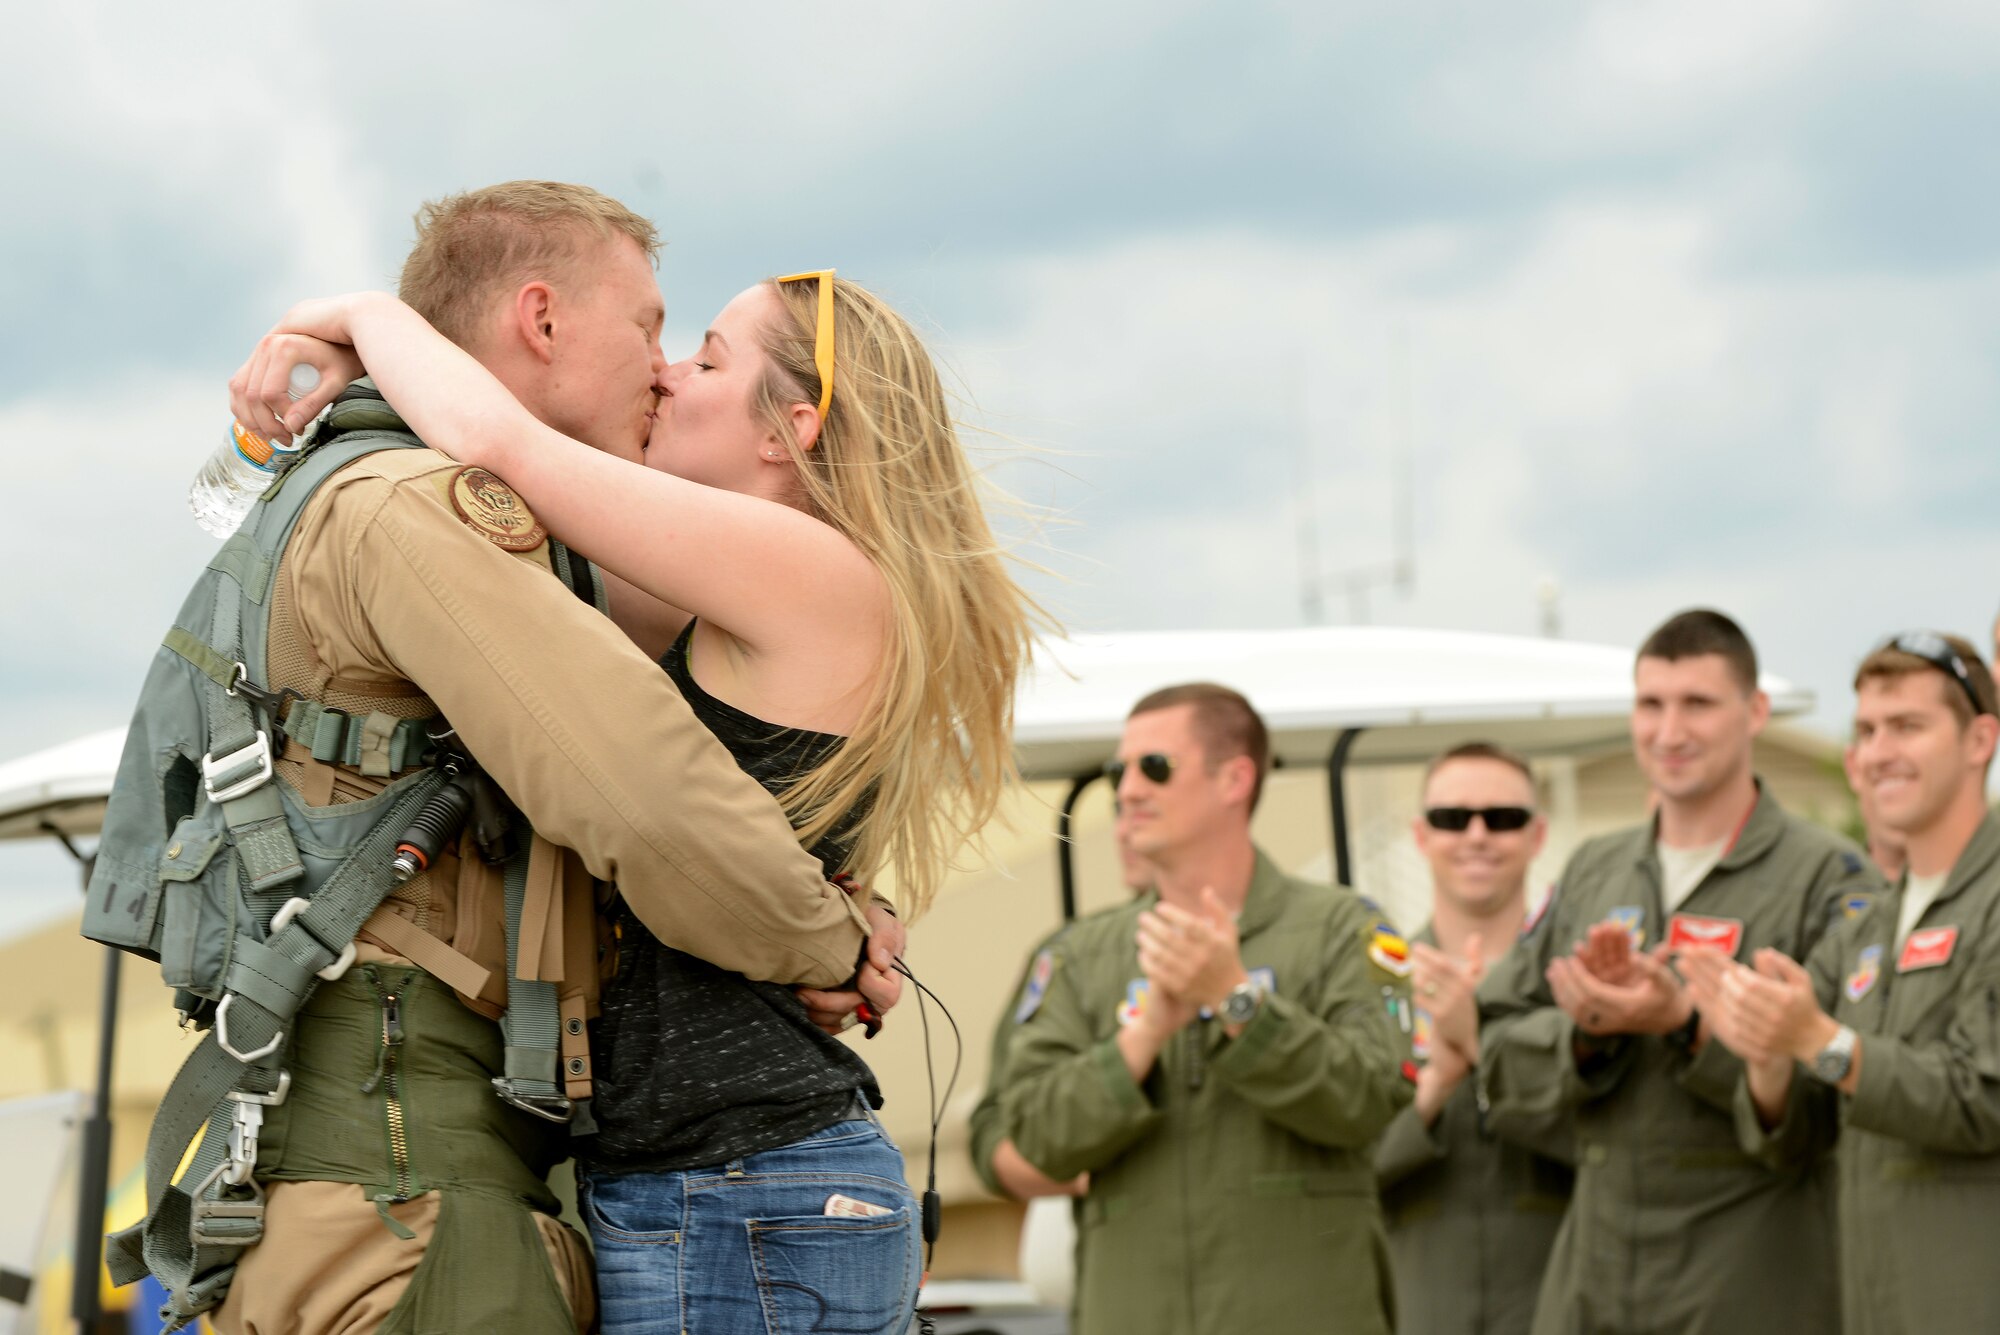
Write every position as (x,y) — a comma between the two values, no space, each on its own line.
(1471,1220)
(1673,1225)
(1218,1056)
(1887,1036)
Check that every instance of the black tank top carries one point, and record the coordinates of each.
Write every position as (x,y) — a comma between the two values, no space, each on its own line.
(696,1065)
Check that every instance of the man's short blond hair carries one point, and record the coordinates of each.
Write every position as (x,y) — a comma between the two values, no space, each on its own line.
(474,246)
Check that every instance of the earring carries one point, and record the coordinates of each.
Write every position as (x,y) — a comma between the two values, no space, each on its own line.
(774,456)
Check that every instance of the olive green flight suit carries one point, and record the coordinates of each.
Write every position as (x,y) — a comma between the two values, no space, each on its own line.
(1919,1149)
(1471,1218)
(1673,1227)
(1231,1190)
(987,1125)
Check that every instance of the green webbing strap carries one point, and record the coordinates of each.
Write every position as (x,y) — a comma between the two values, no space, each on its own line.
(531,1026)
(336,737)
(241,561)
(220,670)
(268,981)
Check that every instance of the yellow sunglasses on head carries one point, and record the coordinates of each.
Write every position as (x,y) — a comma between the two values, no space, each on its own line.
(822,333)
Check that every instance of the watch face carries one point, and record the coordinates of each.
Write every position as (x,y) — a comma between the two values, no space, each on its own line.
(1240,1007)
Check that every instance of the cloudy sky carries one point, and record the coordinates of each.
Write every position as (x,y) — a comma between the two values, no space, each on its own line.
(1667,302)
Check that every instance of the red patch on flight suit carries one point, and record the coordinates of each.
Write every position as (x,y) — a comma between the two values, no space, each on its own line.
(1687,929)
(1927,949)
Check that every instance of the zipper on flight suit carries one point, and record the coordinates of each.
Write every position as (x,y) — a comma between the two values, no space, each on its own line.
(388,1075)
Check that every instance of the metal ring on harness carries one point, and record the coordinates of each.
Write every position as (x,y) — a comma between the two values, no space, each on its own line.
(293,908)
(222,1036)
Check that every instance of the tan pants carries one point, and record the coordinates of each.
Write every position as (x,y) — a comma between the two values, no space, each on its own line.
(328,1265)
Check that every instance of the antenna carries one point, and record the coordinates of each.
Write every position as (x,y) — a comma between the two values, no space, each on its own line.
(1399,572)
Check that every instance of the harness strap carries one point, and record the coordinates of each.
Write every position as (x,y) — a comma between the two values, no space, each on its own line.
(196,1227)
(379,745)
(531,1027)
(461,973)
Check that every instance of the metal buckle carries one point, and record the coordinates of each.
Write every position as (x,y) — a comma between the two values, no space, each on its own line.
(554,1108)
(212,768)
(205,1210)
(247,1122)
(293,908)
(222,1036)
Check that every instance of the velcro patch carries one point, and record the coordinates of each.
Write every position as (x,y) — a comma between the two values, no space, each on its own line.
(1688,929)
(1137,993)
(1633,919)
(1037,988)
(1927,949)
(1867,968)
(1389,950)
(490,508)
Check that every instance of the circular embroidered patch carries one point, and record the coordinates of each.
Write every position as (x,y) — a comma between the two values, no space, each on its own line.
(490,508)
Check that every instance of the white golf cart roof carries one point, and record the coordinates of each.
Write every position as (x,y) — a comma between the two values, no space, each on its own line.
(1413,691)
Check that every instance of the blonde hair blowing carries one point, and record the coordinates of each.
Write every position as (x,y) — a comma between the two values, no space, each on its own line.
(473,246)
(934,748)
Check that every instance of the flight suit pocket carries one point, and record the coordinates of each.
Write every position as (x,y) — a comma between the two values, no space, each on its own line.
(196,886)
(1276,1186)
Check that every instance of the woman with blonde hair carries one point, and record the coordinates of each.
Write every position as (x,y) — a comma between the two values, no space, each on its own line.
(805,549)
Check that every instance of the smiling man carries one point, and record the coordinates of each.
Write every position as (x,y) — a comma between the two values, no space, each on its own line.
(1673,1227)
(1895,1019)
(1471,1220)
(1218,1056)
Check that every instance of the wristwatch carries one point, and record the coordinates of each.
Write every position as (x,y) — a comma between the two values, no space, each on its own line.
(1832,1062)
(1240,1006)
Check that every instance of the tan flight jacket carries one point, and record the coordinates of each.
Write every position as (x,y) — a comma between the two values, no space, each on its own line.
(389,599)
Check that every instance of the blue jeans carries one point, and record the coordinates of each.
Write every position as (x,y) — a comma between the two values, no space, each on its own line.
(747,1248)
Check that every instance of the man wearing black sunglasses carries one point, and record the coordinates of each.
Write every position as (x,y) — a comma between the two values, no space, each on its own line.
(1218,1056)
(1889,1036)
(1471,1220)
(1673,1226)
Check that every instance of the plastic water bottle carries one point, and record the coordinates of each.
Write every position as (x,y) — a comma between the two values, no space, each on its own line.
(244,466)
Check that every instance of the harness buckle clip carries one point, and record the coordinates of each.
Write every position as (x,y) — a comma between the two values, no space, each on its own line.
(257,753)
(293,907)
(240,1222)
(550,1108)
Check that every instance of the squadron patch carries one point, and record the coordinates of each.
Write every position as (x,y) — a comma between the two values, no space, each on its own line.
(1633,920)
(1137,993)
(1854,906)
(1927,949)
(490,508)
(1037,988)
(1389,950)
(1688,929)
(1867,968)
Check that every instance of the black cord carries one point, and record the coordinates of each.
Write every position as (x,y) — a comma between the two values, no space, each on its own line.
(933,1211)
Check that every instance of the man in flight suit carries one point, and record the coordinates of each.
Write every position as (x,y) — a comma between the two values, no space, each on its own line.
(1471,1219)
(415,587)
(1673,1227)
(1218,1056)
(1889,1036)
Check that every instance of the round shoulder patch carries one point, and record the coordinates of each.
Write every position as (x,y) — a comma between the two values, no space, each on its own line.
(490,508)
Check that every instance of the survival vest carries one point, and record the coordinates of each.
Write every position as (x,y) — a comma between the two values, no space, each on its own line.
(246,896)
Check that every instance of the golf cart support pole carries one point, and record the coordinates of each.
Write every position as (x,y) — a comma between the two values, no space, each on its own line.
(1336,796)
(93,1173)
(1065,850)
